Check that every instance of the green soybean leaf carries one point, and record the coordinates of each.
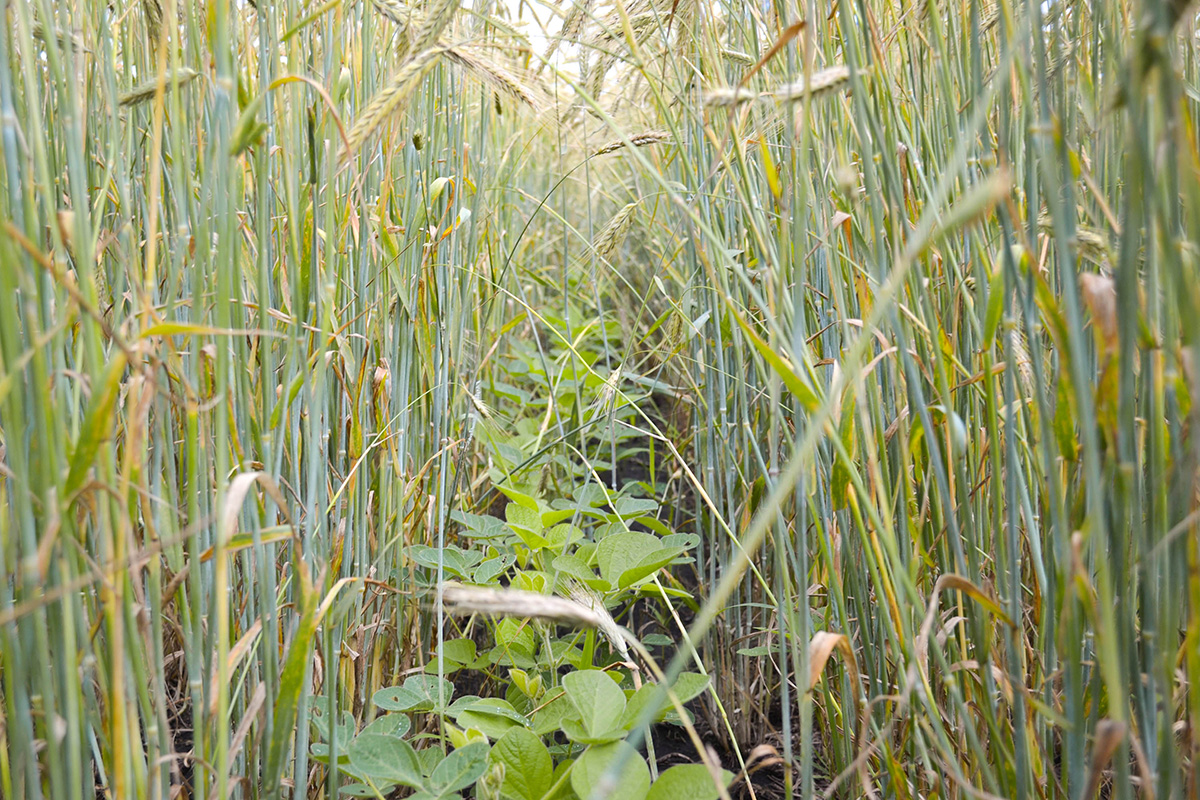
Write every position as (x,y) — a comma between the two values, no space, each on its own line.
(589,777)
(455,561)
(429,758)
(529,581)
(386,758)
(575,567)
(553,712)
(493,716)
(419,693)
(343,729)
(575,731)
(618,552)
(561,536)
(684,541)
(489,570)
(460,769)
(363,790)
(591,495)
(553,516)
(599,701)
(527,524)
(639,702)
(461,651)
(510,631)
(656,525)
(389,725)
(514,654)
(687,687)
(648,566)
(528,770)
(515,494)
(456,654)
(480,527)
(757,652)
(652,590)
(687,782)
(496,707)
(630,507)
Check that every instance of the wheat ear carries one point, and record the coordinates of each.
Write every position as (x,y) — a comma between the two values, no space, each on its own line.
(822,82)
(583,608)
(438,16)
(640,140)
(613,234)
(496,75)
(144,91)
(391,98)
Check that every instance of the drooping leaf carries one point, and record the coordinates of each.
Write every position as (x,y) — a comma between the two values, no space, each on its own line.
(995,307)
(803,393)
(292,677)
(97,423)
